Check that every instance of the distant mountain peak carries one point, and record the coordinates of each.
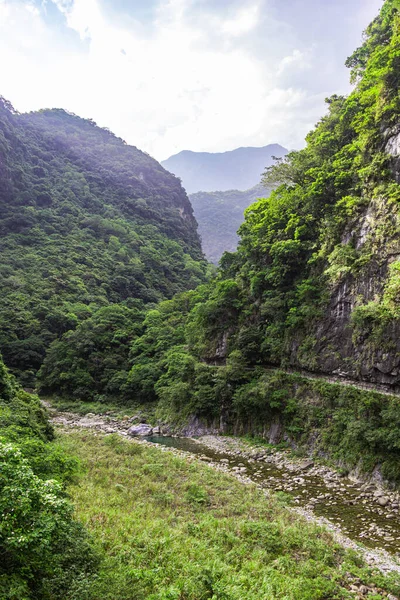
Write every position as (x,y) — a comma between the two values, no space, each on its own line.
(239,169)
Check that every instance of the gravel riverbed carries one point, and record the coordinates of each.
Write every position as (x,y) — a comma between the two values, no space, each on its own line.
(360,516)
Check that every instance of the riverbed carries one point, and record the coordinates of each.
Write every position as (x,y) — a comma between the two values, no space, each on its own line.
(352,506)
(362,516)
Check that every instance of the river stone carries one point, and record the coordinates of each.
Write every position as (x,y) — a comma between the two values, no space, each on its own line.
(383,500)
(306,464)
(141,430)
(378,494)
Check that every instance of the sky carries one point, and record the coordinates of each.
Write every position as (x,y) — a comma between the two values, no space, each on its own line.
(172,75)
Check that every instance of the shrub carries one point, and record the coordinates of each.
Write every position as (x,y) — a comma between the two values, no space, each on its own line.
(44,552)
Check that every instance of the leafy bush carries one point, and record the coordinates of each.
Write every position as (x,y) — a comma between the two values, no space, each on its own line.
(45,553)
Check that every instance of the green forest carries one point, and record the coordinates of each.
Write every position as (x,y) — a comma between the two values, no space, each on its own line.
(107,300)
(277,301)
(86,222)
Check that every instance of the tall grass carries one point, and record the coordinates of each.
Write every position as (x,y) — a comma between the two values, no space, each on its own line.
(173,529)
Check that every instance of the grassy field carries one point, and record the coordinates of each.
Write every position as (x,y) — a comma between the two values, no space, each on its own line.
(174,529)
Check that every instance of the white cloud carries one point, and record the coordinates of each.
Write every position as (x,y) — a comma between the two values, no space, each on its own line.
(243,22)
(82,15)
(177,87)
(295,60)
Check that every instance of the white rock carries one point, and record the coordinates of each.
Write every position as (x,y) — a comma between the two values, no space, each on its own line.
(141,430)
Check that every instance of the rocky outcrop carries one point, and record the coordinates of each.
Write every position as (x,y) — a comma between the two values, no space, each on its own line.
(196,427)
(339,347)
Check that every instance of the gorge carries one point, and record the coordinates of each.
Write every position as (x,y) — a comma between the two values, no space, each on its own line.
(289,351)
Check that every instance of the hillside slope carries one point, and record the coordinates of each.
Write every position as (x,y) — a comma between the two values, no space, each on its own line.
(219,215)
(85,221)
(239,169)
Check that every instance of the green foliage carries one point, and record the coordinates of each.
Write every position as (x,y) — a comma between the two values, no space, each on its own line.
(94,233)
(332,220)
(85,221)
(163,330)
(373,319)
(196,494)
(93,359)
(45,552)
(301,241)
(355,427)
(287,297)
(213,316)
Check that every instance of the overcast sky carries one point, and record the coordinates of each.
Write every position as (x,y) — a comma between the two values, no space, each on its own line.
(169,75)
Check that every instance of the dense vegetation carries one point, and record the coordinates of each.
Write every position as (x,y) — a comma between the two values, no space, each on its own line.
(45,553)
(238,169)
(160,526)
(174,530)
(314,284)
(219,215)
(85,221)
(102,291)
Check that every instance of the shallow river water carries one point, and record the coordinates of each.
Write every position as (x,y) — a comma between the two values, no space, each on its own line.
(360,518)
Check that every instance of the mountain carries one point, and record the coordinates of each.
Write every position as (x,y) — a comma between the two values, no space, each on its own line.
(239,169)
(85,221)
(310,299)
(236,176)
(220,214)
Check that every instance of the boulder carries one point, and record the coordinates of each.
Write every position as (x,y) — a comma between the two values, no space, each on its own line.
(141,430)
(304,465)
(383,500)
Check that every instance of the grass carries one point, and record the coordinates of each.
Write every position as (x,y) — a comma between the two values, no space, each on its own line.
(171,528)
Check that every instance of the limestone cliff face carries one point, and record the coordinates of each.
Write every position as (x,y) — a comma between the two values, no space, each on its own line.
(357,333)
(342,347)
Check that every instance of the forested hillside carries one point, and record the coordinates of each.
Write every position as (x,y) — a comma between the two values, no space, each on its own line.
(314,285)
(283,361)
(220,214)
(315,281)
(85,221)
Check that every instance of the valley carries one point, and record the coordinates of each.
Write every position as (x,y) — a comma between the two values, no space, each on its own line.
(186,517)
(171,429)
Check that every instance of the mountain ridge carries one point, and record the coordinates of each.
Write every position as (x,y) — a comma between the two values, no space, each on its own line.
(219,216)
(238,169)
